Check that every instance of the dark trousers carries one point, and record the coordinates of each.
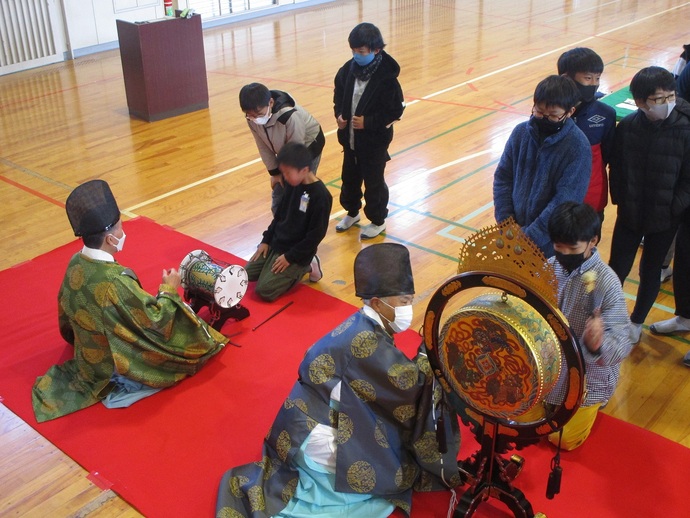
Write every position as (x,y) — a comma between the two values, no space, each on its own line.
(624,246)
(269,285)
(369,171)
(681,268)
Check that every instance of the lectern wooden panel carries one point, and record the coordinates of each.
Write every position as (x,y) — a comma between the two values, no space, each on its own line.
(163,66)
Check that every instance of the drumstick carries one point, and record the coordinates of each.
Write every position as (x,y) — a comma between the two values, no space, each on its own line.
(589,279)
(274,314)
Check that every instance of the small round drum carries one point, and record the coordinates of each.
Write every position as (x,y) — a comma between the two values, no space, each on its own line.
(499,355)
(226,286)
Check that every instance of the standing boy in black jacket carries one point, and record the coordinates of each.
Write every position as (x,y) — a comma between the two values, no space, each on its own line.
(367,101)
(650,183)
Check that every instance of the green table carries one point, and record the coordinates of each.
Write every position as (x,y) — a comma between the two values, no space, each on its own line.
(621,101)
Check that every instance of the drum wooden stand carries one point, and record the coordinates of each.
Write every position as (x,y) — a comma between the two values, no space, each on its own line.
(490,475)
(218,315)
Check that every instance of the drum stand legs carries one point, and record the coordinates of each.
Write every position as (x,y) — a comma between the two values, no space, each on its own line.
(490,475)
(218,315)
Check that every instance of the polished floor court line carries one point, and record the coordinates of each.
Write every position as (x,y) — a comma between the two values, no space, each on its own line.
(431,95)
(32,192)
(445,233)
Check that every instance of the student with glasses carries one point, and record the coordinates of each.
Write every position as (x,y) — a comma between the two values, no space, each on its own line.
(274,119)
(650,183)
(546,161)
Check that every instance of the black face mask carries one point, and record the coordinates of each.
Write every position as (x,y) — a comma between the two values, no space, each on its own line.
(570,262)
(587,92)
(546,127)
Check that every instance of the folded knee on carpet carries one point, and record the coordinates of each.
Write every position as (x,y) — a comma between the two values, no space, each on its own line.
(268,293)
(567,443)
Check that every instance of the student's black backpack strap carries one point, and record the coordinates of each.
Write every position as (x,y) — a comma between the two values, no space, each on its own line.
(286,116)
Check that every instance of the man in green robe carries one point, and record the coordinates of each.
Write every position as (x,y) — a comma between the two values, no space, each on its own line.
(127,343)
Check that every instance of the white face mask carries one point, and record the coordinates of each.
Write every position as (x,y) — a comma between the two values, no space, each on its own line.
(261,121)
(403,317)
(658,112)
(121,242)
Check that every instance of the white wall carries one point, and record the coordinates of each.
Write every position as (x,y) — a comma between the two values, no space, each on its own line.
(92,22)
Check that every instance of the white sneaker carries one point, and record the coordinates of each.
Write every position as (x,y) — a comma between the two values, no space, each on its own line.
(635,331)
(316,273)
(670,326)
(371,230)
(666,273)
(346,223)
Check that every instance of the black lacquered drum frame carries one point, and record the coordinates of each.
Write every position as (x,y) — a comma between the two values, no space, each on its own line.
(487,473)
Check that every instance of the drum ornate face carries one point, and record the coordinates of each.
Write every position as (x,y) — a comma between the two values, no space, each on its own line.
(499,355)
(230,286)
(225,285)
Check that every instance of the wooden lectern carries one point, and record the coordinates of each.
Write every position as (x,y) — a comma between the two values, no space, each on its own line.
(163,66)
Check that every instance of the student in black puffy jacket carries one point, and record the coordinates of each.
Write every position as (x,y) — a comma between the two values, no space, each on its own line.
(650,182)
(367,101)
(681,278)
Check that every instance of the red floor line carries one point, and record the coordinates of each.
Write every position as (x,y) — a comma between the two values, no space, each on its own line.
(55,92)
(269,80)
(32,191)
(465,105)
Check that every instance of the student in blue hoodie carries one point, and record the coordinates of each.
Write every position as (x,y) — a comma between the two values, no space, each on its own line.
(546,161)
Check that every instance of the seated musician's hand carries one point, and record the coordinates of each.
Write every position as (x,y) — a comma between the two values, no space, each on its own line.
(172,278)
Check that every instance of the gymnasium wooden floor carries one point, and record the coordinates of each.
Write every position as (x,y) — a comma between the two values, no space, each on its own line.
(468,72)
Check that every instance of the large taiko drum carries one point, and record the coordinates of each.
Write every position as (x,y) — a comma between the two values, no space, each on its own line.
(225,285)
(499,355)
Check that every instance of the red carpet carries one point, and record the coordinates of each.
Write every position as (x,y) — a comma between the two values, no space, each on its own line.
(166,454)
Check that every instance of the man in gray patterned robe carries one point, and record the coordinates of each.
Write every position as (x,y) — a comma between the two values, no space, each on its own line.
(356,434)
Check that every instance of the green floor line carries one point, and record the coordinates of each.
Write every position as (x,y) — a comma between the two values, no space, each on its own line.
(437,218)
(457,180)
(675,338)
(423,248)
(637,283)
(493,112)
(440,189)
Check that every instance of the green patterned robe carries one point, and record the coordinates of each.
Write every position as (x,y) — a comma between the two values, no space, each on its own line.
(386,443)
(116,326)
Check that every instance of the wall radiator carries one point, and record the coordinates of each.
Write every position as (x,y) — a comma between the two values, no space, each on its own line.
(26,33)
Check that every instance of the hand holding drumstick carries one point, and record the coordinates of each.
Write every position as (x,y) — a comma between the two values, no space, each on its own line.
(593,335)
